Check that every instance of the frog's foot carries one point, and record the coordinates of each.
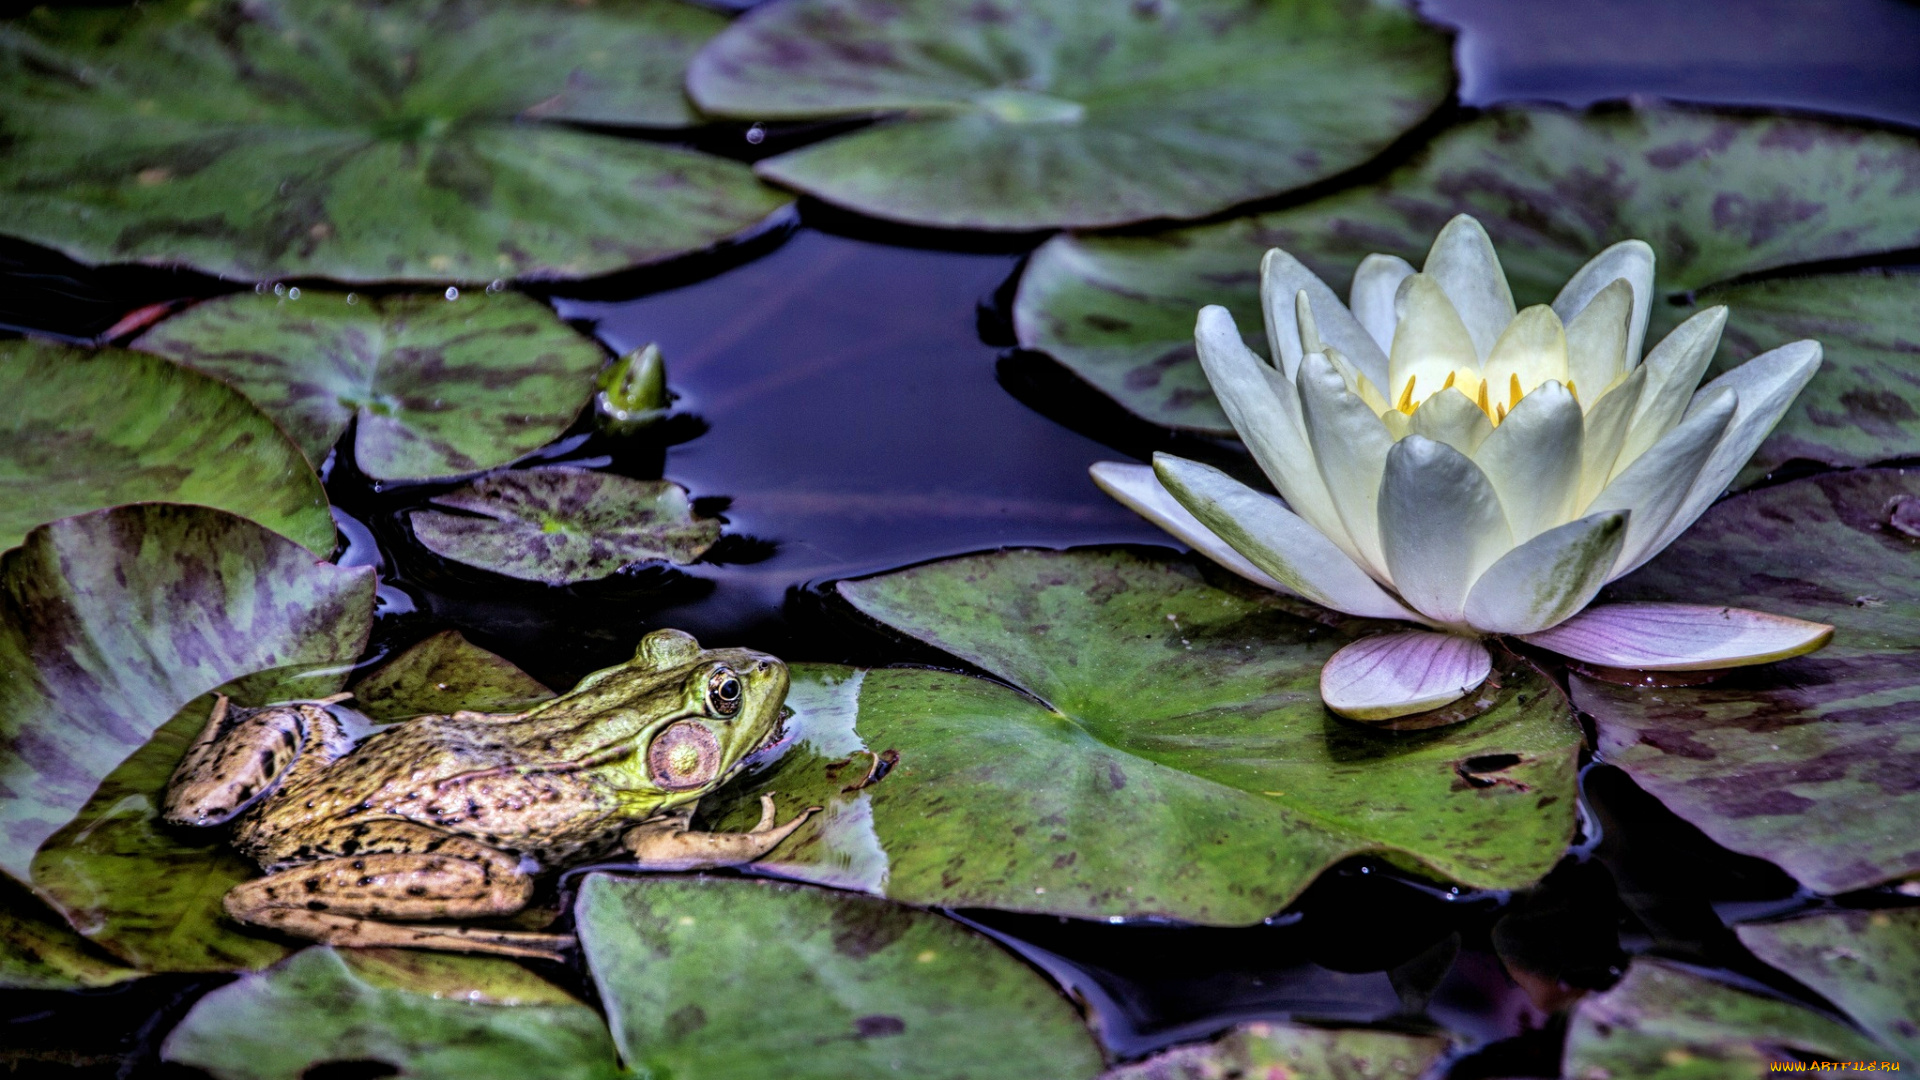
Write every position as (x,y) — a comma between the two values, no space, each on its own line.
(668,844)
(370,900)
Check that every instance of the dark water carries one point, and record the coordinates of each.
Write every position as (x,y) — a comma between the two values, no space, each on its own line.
(848,394)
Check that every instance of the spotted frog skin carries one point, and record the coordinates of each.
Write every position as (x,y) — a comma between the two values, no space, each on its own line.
(452,817)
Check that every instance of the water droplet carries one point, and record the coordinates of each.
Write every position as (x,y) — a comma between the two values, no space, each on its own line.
(293,293)
(279,289)
(496,285)
(352,299)
(453,293)
(756,135)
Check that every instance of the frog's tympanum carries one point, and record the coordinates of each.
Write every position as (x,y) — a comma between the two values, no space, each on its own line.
(452,817)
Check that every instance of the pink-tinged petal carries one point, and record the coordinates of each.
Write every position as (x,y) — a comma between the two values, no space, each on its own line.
(1136,488)
(1680,637)
(1390,675)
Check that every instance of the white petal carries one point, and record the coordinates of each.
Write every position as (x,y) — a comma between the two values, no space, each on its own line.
(1350,449)
(1389,675)
(1654,487)
(1450,418)
(1547,579)
(1375,283)
(1673,374)
(1533,461)
(1630,259)
(1275,540)
(1440,526)
(1531,351)
(1282,278)
(1607,422)
(1462,261)
(1680,637)
(1430,343)
(1265,409)
(1137,488)
(1597,339)
(1766,386)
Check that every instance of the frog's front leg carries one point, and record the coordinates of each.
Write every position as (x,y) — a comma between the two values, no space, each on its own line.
(243,753)
(667,842)
(371,897)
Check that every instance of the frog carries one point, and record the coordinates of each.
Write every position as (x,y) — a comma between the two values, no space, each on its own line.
(365,843)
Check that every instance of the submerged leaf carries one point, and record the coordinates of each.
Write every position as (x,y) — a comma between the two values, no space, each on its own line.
(1074,112)
(847,986)
(1717,195)
(111,622)
(303,138)
(86,429)
(321,1007)
(444,674)
(1866,962)
(1173,758)
(558,525)
(1809,762)
(1295,1053)
(434,386)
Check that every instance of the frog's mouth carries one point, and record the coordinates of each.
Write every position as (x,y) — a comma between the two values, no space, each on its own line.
(775,734)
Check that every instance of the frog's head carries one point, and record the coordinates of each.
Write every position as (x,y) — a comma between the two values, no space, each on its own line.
(674,722)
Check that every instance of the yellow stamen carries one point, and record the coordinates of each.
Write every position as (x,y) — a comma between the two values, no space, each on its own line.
(1513,391)
(1574,391)
(1499,414)
(1405,404)
(1448,385)
(1484,407)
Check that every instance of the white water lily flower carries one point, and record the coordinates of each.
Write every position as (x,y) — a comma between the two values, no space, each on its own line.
(1448,461)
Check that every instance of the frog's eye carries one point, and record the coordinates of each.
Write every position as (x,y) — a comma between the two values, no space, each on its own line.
(684,756)
(723,692)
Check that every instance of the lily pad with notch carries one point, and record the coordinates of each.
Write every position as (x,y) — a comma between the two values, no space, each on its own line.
(1809,762)
(1293,1051)
(855,987)
(434,387)
(111,622)
(1000,115)
(1717,195)
(86,429)
(556,524)
(1157,748)
(298,138)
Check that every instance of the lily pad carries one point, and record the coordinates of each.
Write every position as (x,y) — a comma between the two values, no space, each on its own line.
(1665,1022)
(443,674)
(1294,1052)
(1866,962)
(306,139)
(848,986)
(1162,751)
(1811,762)
(1004,115)
(435,387)
(1864,406)
(111,622)
(1717,195)
(559,525)
(38,951)
(89,429)
(318,1007)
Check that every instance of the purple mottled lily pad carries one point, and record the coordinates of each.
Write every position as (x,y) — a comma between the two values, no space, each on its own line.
(434,386)
(112,621)
(1039,113)
(300,138)
(557,524)
(1814,762)
(1717,195)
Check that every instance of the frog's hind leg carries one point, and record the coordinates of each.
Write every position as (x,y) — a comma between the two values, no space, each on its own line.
(242,754)
(370,898)
(667,843)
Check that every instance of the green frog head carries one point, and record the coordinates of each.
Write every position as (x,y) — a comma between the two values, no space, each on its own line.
(669,725)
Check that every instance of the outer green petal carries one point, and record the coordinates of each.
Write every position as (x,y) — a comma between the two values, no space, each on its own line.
(1440,526)
(1548,578)
(1139,490)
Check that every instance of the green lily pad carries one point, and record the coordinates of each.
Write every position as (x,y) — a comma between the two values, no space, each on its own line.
(1717,195)
(39,951)
(1162,751)
(1295,1053)
(305,139)
(1001,115)
(111,622)
(319,1007)
(443,674)
(149,893)
(1864,406)
(1665,1022)
(1866,962)
(89,429)
(711,977)
(434,387)
(1809,762)
(559,525)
